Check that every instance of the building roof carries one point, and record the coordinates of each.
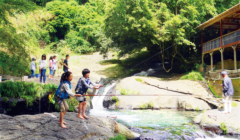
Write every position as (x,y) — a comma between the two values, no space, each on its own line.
(225,14)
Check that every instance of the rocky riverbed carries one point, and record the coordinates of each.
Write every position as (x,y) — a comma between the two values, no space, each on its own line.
(45,127)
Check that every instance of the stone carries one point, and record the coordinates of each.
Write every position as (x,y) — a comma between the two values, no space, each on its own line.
(44,127)
(198,118)
(212,120)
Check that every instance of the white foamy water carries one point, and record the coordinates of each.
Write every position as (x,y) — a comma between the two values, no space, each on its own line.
(97,101)
(217,138)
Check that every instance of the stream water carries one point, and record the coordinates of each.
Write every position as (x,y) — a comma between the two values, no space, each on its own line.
(154,124)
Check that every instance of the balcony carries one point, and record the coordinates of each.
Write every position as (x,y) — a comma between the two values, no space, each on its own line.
(227,40)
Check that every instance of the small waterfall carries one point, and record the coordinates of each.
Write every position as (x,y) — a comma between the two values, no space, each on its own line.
(97,101)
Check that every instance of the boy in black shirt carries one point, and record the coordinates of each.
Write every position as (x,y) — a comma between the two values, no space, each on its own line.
(65,64)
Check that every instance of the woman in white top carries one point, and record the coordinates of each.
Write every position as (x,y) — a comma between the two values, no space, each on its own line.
(42,68)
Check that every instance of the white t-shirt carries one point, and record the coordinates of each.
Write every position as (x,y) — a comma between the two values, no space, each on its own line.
(54,64)
(43,64)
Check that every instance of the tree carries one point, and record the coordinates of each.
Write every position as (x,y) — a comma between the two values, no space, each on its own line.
(156,24)
(14,57)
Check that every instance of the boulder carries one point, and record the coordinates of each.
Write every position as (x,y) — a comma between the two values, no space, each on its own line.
(212,120)
(44,127)
(198,118)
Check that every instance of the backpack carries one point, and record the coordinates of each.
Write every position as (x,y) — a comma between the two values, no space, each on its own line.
(82,90)
(62,95)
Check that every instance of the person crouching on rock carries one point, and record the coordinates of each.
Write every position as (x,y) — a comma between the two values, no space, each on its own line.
(228,92)
(81,89)
(62,93)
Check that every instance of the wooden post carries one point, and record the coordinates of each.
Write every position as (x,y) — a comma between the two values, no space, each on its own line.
(202,59)
(235,56)
(222,62)
(211,54)
(221,32)
(202,39)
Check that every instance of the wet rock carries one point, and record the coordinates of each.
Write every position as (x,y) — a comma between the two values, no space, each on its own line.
(212,120)
(44,127)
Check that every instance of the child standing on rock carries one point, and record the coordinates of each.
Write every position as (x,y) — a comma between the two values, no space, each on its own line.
(33,67)
(42,68)
(81,89)
(62,93)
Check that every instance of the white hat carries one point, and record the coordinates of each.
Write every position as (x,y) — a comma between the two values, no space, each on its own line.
(224,73)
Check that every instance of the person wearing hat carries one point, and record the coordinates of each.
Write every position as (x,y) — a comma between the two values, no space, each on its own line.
(228,92)
(33,67)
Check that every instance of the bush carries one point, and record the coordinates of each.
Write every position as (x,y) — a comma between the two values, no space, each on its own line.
(27,91)
(14,103)
(119,137)
(193,76)
(72,103)
(138,79)
(114,99)
(5,99)
(143,106)
(150,105)
(224,128)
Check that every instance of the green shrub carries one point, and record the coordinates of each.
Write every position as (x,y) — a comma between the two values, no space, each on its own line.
(5,99)
(234,104)
(150,104)
(193,76)
(197,109)
(119,137)
(114,99)
(14,103)
(128,91)
(143,106)
(138,79)
(224,128)
(72,103)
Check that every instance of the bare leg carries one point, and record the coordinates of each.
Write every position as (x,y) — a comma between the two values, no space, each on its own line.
(63,116)
(61,119)
(84,108)
(79,110)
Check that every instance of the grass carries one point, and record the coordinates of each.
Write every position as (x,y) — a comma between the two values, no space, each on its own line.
(197,109)
(194,76)
(150,104)
(119,137)
(224,128)
(213,91)
(139,79)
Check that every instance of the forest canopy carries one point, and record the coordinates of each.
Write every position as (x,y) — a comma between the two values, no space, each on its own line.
(32,27)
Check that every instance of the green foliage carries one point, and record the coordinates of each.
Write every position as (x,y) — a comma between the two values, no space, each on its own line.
(72,103)
(5,99)
(139,79)
(213,91)
(150,104)
(128,91)
(14,56)
(234,104)
(203,111)
(28,91)
(223,127)
(14,103)
(114,99)
(195,76)
(143,106)
(119,137)
(197,109)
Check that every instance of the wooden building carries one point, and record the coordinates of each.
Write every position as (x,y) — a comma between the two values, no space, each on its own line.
(223,48)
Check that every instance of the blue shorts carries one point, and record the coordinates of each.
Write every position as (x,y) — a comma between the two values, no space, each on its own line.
(51,71)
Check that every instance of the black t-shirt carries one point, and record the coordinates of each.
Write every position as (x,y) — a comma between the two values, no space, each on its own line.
(64,67)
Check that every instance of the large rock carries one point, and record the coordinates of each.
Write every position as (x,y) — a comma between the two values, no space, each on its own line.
(163,99)
(44,127)
(212,120)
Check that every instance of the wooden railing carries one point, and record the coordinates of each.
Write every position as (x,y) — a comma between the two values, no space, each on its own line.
(212,44)
(228,39)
